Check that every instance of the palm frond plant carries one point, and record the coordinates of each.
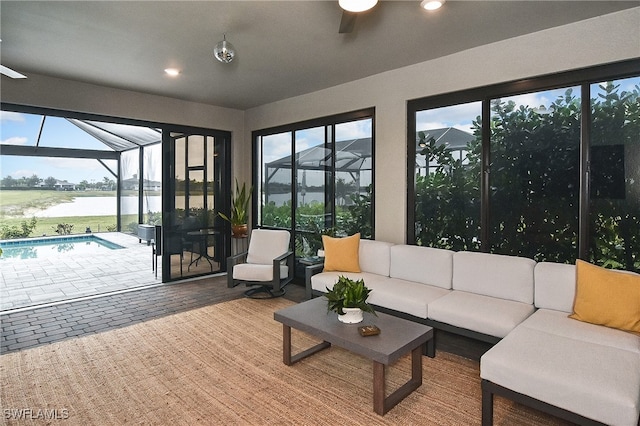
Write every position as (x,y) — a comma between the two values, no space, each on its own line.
(348,293)
(238,216)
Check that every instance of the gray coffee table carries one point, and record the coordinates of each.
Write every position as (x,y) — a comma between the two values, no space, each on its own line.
(397,338)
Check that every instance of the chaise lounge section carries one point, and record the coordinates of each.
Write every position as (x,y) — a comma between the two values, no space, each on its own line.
(584,373)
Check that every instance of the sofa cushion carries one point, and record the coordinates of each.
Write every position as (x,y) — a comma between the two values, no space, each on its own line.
(424,265)
(596,381)
(255,272)
(341,254)
(324,280)
(404,296)
(555,286)
(374,257)
(483,314)
(506,277)
(558,323)
(607,297)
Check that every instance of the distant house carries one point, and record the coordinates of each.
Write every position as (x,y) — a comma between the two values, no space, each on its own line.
(134,184)
(63,185)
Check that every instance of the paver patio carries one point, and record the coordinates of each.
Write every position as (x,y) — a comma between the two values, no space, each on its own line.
(31,282)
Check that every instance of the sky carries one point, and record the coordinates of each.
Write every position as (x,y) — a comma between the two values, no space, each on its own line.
(23,129)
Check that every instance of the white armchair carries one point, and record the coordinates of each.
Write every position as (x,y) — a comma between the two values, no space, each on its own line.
(268,264)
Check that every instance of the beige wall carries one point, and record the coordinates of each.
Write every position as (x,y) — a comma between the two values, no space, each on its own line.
(608,38)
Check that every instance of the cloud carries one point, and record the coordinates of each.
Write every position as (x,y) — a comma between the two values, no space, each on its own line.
(457,116)
(15,117)
(15,140)
(353,130)
(23,173)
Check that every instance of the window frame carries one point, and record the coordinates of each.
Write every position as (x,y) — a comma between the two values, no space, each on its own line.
(332,121)
(583,77)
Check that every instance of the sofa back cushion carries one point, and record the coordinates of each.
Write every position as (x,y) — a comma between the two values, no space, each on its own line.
(374,257)
(505,277)
(555,286)
(424,265)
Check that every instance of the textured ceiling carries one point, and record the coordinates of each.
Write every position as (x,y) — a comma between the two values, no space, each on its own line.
(284,48)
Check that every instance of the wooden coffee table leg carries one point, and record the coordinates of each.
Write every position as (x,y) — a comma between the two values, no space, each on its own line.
(289,359)
(379,388)
(382,404)
(286,344)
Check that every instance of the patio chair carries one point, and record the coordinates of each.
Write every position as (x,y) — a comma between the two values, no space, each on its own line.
(267,264)
(174,244)
(189,242)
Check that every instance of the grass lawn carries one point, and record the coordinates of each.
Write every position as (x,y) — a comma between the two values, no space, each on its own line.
(48,225)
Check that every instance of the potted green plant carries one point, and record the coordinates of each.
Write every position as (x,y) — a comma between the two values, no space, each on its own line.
(239,214)
(348,298)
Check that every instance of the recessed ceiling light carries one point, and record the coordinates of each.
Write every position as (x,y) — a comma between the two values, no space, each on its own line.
(357,5)
(432,4)
(173,72)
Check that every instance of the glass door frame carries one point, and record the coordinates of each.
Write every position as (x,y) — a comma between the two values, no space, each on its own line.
(219,188)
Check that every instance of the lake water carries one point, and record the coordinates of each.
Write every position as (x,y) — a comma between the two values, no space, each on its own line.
(97,206)
(106,206)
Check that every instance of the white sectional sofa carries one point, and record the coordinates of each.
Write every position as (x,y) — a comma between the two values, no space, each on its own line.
(585,373)
(475,294)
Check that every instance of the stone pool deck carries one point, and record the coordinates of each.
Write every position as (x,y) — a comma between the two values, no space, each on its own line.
(31,282)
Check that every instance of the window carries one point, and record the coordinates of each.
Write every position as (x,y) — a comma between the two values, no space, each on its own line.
(547,168)
(614,172)
(316,177)
(447,177)
(535,175)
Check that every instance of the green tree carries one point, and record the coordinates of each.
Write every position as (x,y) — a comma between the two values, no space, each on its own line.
(615,222)
(34,180)
(50,182)
(447,199)
(23,231)
(535,184)
(9,182)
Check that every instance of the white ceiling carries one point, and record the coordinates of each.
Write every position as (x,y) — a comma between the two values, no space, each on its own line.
(284,48)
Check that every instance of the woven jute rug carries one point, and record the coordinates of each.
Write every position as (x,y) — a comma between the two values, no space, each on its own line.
(222,364)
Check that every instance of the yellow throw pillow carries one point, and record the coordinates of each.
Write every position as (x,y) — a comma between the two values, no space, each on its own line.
(607,297)
(342,254)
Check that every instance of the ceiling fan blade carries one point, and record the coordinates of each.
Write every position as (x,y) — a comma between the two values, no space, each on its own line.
(347,22)
(10,73)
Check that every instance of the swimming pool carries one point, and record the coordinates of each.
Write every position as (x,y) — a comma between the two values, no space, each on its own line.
(38,248)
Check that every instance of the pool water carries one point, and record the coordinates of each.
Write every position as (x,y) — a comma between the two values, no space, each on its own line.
(39,248)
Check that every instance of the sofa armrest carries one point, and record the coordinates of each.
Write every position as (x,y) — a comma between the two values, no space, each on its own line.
(310,271)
